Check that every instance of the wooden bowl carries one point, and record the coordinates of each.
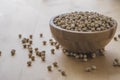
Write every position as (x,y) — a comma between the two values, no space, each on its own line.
(82,41)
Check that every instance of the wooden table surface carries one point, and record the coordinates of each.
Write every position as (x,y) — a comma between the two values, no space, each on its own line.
(32,17)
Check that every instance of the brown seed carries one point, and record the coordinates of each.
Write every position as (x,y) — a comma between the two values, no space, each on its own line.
(63,73)
(0,53)
(55,64)
(30,42)
(30,36)
(27,40)
(29,46)
(43,51)
(29,63)
(115,38)
(23,41)
(30,55)
(41,35)
(20,36)
(43,58)
(30,50)
(42,54)
(49,68)
(52,43)
(33,58)
(53,51)
(57,46)
(13,52)
(118,35)
(50,40)
(44,42)
(24,46)
(36,49)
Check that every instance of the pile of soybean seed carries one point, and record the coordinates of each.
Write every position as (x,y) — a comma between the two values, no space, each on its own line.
(84,21)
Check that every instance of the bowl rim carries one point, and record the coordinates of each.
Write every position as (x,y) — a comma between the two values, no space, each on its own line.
(51,23)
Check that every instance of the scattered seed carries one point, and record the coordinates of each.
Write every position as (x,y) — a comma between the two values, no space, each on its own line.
(93,55)
(49,68)
(0,53)
(41,35)
(115,38)
(115,64)
(30,36)
(53,51)
(20,36)
(25,46)
(116,60)
(55,64)
(44,42)
(30,42)
(88,69)
(30,55)
(57,46)
(63,73)
(13,52)
(43,58)
(118,35)
(85,59)
(33,58)
(29,63)
(36,49)
(93,67)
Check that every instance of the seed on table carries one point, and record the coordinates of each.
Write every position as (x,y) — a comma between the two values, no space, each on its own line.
(43,58)
(115,64)
(50,40)
(85,56)
(30,42)
(51,43)
(115,38)
(53,51)
(30,36)
(55,64)
(93,55)
(24,46)
(33,58)
(30,55)
(36,49)
(41,35)
(20,36)
(49,68)
(63,73)
(85,59)
(44,42)
(0,53)
(27,40)
(42,54)
(30,51)
(23,41)
(29,63)
(118,35)
(13,52)
(88,69)
(116,60)
(57,46)
(93,67)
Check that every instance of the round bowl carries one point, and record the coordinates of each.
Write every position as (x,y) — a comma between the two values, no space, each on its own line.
(82,41)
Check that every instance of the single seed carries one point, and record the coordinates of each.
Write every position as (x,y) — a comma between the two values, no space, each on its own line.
(118,35)
(88,69)
(57,46)
(42,54)
(33,58)
(30,42)
(30,36)
(50,40)
(53,51)
(115,63)
(0,53)
(116,60)
(24,46)
(36,49)
(41,35)
(49,68)
(30,55)
(20,36)
(93,67)
(93,55)
(29,63)
(44,42)
(13,51)
(43,58)
(27,40)
(23,41)
(115,38)
(85,59)
(55,64)
(63,73)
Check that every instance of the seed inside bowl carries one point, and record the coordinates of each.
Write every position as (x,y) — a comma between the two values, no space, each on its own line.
(84,21)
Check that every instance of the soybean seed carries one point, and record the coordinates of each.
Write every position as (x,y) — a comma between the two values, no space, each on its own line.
(30,36)
(30,42)
(49,68)
(29,63)
(36,49)
(55,64)
(43,58)
(44,42)
(53,51)
(63,73)
(115,38)
(33,58)
(41,35)
(20,36)
(118,35)
(30,55)
(93,67)
(13,52)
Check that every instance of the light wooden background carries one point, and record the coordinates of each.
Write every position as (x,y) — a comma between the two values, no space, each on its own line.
(32,17)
